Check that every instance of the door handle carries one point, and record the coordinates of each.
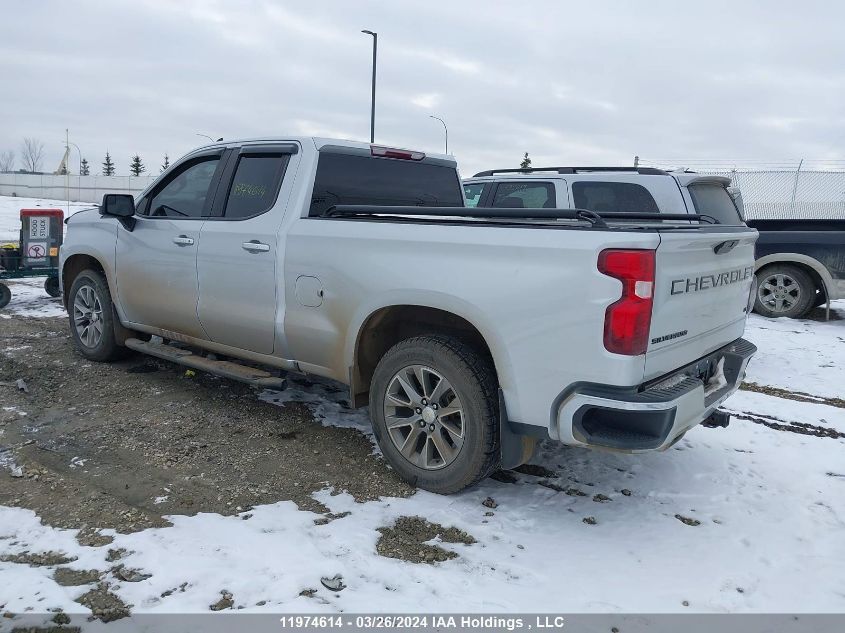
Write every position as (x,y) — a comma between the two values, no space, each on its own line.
(254,246)
(183,240)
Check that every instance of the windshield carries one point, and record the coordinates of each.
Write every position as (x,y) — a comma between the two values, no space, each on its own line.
(714,200)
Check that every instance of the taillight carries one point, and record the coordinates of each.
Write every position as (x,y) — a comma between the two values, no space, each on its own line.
(390,152)
(627,321)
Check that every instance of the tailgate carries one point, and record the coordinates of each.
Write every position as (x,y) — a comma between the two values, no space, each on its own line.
(702,283)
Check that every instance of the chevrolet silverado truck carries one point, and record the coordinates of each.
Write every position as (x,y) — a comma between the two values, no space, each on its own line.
(469,332)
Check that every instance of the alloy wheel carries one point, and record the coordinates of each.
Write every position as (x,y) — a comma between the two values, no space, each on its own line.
(779,292)
(424,417)
(88,316)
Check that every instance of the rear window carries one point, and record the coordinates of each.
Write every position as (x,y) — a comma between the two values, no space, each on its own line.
(715,201)
(624,197)
(525,195)
(350,179)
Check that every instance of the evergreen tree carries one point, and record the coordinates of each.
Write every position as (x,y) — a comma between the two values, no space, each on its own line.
(83,167)
(136,168)
(526,162)
(108,166)
(166,163)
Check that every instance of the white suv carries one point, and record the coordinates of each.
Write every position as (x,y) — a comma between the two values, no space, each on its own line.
(603,190)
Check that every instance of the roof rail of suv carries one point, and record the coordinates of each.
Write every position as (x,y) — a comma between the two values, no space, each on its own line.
(572,170)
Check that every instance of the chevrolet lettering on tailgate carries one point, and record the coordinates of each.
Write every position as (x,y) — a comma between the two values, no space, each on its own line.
(705,282)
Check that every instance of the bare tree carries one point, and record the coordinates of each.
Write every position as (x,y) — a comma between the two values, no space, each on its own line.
(7,160)
(32,152)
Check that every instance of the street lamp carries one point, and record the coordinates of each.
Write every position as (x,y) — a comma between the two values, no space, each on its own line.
(373,104)
(431,116)
(206,136)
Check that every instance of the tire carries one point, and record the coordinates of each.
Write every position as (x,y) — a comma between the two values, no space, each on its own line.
(51,286)
(784,291)
(468,436)
(5,295)
(89,294)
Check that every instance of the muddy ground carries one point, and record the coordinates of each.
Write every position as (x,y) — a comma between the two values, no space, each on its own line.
(121,445)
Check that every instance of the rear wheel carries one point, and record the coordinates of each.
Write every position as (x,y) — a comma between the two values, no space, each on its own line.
(51,286)
(92,318)
(784,291)
(5,295)
(435,413)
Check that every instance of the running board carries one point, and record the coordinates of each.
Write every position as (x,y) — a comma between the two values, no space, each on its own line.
(222,368)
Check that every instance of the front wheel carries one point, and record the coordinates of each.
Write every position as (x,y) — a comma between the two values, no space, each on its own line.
(92,317)
(435,413)
(784,291)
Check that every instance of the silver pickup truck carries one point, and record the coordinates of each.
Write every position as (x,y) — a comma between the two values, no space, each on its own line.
(469,332)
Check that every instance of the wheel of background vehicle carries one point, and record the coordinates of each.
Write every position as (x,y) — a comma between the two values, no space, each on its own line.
(784,291)
(434,407)
(51,286)
(92,318)
(5,295)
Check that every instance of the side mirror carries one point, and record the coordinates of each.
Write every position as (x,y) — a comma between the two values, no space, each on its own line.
(119,205)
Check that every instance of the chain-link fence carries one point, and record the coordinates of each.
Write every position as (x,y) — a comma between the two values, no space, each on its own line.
(783,193)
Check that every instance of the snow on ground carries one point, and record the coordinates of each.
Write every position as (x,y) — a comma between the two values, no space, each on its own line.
(10,206)
(785,360)
(30,299)
(745,519)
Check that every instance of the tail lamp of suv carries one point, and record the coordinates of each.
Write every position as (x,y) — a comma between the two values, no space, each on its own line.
(627,321)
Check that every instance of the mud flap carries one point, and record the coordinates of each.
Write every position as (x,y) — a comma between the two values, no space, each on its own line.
(516,449)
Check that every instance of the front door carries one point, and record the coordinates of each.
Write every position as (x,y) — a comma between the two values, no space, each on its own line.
(239,257)
(156,261)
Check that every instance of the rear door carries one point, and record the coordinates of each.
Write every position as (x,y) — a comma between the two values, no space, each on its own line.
(703,280)
(239,259)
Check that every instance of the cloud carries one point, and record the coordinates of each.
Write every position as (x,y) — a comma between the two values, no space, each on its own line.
(427,101)
(568,83)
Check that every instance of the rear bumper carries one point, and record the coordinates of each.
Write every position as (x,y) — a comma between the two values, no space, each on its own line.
(655,415)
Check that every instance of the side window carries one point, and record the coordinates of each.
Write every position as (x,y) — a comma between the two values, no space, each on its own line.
(525,195)
(715,201)
(184,195)
(625,197)
(473,193)
(255,185)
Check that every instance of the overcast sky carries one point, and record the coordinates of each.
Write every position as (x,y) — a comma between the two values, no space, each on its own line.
(568,82)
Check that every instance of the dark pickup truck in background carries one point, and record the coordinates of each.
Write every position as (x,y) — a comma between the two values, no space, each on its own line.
(800,264)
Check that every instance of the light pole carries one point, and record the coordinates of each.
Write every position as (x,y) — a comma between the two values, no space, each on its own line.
(206,136)
(373,105)
(431,116)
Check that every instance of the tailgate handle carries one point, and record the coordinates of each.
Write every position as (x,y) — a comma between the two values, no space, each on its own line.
(725,247)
